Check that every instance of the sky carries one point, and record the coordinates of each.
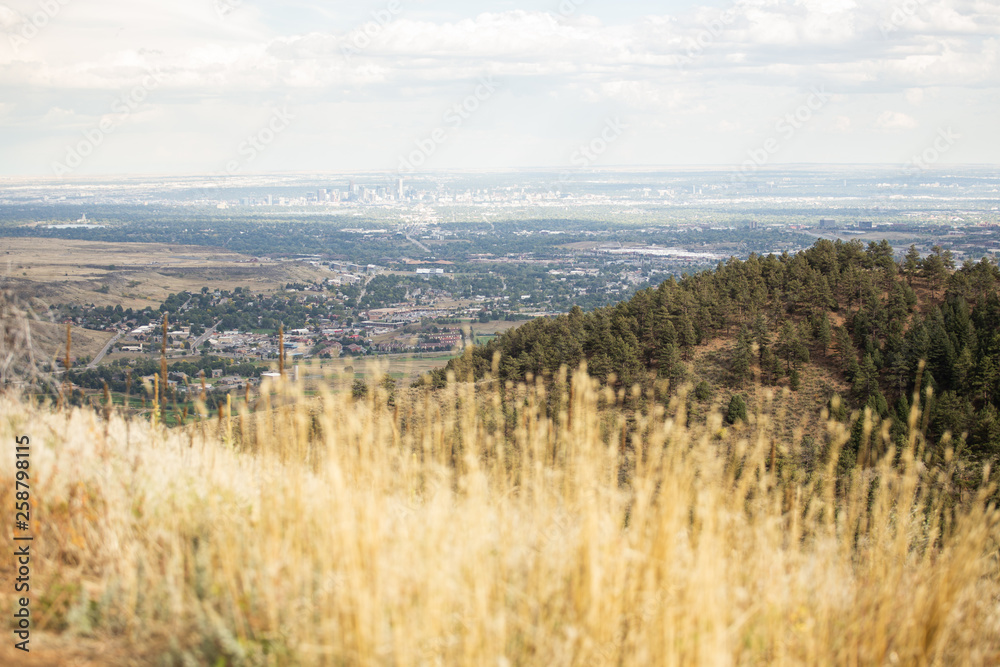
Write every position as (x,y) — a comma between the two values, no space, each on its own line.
(105,87)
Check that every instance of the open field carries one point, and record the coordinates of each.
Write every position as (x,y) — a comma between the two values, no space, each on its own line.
(136,275)
(483,331)
(496,326)
(443,529)
(406,367)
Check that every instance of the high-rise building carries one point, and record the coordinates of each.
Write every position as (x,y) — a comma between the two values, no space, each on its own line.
(399,189)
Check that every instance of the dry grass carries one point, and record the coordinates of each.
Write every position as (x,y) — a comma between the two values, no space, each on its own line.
(49,339)
(28,337)
(496,326)
(458,528)
(144,274)
(18,360)
(406,367)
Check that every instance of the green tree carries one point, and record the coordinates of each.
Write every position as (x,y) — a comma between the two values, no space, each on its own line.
(686,335)
(846,354)
(761,333)
(964,366)
(703,391)
(670,365)
(788,343)
(737,409)
(794,380)
(359,389)
(911,264)
(770,366)
(865,381)
(824,334)
(934,268)
(742,356)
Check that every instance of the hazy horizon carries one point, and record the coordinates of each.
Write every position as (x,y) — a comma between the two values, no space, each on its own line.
(776,168)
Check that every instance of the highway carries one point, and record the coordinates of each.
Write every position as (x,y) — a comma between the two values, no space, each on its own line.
(205,336)
(107,348)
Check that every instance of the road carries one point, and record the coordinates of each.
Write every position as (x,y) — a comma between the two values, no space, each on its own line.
(102,353)
(107,348)
(202,338)
(419,244)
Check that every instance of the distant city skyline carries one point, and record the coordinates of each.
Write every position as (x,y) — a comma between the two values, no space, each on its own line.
(405,87)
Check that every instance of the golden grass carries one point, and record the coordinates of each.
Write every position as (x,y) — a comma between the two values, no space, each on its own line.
(144,274)
(458,528)
(49,339)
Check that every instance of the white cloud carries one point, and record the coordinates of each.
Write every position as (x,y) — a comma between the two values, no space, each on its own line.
(797,42)
(894,120)
(678,73)
(9,19)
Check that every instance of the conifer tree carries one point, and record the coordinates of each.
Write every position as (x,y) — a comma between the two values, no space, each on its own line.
(737,411)
(742,356)
(911,264)
(824,334)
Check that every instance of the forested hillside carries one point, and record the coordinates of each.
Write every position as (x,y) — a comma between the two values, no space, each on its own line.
(851,308)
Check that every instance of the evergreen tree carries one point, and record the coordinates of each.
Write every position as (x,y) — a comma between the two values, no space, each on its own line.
(686,335)
(941,355)
(824,333)
(934,269)
(668,335)
(742,356)
(985,440)
(911,265)
(963,368)
(788,344)
(846,354)
(865,381)
(670,365)
(737,411)
(761,333)
(770,366)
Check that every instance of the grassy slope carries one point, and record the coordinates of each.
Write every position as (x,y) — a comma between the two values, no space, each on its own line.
(340,532)
(49,340)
